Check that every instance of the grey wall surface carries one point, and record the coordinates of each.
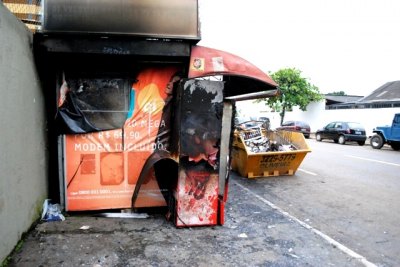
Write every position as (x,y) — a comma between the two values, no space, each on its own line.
(23,163)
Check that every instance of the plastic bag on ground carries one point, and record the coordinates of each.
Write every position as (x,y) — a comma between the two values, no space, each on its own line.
(51,212)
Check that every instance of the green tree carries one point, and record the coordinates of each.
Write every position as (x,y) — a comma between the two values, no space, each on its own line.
(341,93)
(295,91)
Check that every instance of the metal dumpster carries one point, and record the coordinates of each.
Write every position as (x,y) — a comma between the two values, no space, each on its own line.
(252,161)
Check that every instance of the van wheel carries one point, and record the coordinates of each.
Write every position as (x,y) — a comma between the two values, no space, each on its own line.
(318,137)
(376,141)
(342,140)
(361,143)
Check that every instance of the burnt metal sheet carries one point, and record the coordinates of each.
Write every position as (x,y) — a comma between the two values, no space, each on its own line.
(224,161)
(156,18)
(199,130)
(117,45)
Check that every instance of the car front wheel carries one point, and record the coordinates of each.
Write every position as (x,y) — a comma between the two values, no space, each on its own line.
(376,141)
(342,140)
(318,137)
(361,143)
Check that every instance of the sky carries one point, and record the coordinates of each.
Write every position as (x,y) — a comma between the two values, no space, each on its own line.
(338,45)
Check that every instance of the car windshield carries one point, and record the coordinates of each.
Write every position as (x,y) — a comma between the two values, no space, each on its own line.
(288,123)
(263,119)
(355,125)
(302,124)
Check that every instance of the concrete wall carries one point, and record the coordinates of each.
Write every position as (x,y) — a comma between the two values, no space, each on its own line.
(317,116)
(23,163)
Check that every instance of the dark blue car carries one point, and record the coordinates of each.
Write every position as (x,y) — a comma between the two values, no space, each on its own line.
(342,132)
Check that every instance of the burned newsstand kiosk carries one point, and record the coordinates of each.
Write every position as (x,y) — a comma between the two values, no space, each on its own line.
(143,115)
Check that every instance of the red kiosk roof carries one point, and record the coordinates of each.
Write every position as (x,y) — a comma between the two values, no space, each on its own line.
(206,61)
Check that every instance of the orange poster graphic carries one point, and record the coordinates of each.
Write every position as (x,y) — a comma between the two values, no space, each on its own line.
(101,168)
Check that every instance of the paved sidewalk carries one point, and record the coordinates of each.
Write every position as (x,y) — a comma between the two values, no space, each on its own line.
(254,234)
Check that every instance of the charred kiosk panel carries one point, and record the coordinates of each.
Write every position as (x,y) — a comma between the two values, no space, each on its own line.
(177,19)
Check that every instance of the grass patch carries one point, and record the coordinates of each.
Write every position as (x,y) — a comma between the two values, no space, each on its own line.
(16,249)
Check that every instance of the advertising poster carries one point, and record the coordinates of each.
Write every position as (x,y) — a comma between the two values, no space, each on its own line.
(102,167)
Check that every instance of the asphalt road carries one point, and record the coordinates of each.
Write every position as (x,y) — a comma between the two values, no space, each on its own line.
(348,192)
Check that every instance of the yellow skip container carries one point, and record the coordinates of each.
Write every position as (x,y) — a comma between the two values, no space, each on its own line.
(263,164)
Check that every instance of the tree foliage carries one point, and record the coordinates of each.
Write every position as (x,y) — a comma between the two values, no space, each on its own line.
(341,93)
(295,91)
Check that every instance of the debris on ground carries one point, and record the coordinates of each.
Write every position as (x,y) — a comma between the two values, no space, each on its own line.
(256,139)
(51,212)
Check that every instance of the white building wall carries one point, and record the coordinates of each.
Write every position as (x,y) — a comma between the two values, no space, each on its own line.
(317,116)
